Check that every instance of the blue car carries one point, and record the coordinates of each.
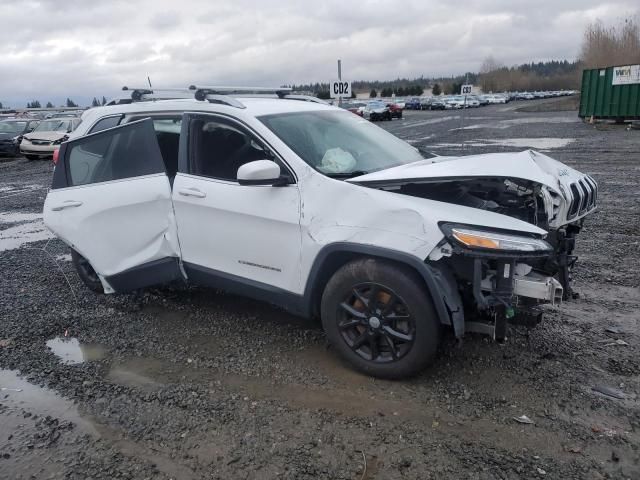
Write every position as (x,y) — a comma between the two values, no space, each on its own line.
(412,104)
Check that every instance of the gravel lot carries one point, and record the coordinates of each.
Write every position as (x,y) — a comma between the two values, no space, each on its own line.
(192,383)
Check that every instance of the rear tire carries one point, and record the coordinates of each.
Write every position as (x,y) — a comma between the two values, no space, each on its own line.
(380,318)
(86,272)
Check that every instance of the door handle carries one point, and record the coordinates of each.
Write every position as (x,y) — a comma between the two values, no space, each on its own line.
(66,204)
(192,192)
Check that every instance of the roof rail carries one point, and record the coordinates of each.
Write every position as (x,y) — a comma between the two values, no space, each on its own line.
(215,94)
(140,94)
(203,91)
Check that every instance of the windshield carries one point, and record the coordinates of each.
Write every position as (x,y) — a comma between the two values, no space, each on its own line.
(12,127)
(338,143)
(53,126)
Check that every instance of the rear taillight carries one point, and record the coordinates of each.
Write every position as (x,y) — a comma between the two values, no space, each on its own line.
(56,154)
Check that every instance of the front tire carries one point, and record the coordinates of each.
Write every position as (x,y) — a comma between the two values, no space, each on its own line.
(30,157)
(86,272)
(380,318)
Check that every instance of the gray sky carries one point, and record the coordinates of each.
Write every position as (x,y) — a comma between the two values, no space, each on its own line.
(53,49)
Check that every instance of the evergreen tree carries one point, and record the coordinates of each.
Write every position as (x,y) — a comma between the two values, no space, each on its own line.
(373,93)
(49,105)
(95,102)
(70,103)
(104,100)
(435,90)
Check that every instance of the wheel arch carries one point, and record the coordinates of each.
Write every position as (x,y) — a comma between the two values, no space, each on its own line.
(335,255)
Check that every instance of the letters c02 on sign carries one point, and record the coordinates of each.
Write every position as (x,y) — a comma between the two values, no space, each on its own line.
(466,89)
(340,88)
(626,75)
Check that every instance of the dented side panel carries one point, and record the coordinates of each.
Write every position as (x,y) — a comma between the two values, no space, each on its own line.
(334,211)
(119,225)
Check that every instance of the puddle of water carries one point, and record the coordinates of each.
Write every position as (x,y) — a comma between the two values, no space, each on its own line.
(19,217)
(65,257)
(536,143)
(72,352)
(27,232)
(540,143)
(504,124)
(17,393)
(431,121)
(11,190)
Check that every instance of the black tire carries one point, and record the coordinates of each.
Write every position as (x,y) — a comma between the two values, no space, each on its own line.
(86,272)
(30,157)
(388,116)
(399,341)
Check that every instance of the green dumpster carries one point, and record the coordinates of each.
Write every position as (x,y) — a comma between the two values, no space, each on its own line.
(611,92)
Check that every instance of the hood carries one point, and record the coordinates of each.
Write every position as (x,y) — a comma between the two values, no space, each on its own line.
(527,165)
(8,136)
(568,194)
(49,136)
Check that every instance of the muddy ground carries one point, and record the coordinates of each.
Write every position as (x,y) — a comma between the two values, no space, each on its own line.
(192,383)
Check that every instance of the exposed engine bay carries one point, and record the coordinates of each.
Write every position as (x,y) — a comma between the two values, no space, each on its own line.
(522,199)
(497,287)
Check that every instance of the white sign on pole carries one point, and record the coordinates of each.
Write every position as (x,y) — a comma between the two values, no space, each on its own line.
(626,75)
(466,89)
(340,89)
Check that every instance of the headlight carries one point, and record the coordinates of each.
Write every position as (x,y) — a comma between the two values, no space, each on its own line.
(60,140)
(475,239)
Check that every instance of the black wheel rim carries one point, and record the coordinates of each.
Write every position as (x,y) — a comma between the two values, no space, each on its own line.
(376,323)
(88,270)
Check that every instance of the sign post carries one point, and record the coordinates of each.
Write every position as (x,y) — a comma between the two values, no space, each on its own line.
(465,90)
(339,79)
(339,88)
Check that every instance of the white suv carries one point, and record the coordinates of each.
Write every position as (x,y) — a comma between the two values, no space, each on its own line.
(316,210)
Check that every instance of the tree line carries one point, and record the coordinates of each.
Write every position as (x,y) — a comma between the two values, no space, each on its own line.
(602,46)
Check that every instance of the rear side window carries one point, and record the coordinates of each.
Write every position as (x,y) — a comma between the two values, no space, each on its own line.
(120,153)
(107,122)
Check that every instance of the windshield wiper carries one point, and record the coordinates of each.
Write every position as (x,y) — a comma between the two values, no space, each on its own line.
(355,173)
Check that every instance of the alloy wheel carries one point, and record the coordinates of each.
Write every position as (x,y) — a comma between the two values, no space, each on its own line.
(376,323)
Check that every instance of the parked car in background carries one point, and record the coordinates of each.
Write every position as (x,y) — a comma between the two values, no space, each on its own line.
(524,96)
(472,101)
(437,103)
(484,99)
(356,108)
(47,137)
(376,110)
(412,104)
(11,133)
(395,109)
(497,98)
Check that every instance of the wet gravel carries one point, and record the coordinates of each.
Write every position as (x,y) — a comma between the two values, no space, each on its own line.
(191,383)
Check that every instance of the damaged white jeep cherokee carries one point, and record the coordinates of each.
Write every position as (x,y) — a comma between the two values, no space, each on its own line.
(316,210)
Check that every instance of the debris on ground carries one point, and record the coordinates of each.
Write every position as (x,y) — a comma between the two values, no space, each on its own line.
(609,391)
(523,419)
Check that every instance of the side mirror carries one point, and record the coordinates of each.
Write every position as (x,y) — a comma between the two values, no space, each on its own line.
(259,172)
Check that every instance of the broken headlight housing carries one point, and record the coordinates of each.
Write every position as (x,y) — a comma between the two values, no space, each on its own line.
(478,239)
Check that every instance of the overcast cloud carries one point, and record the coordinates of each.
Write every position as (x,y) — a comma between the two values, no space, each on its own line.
(53,49)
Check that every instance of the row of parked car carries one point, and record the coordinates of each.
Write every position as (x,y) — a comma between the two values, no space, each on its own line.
(35,138)
(448,102)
